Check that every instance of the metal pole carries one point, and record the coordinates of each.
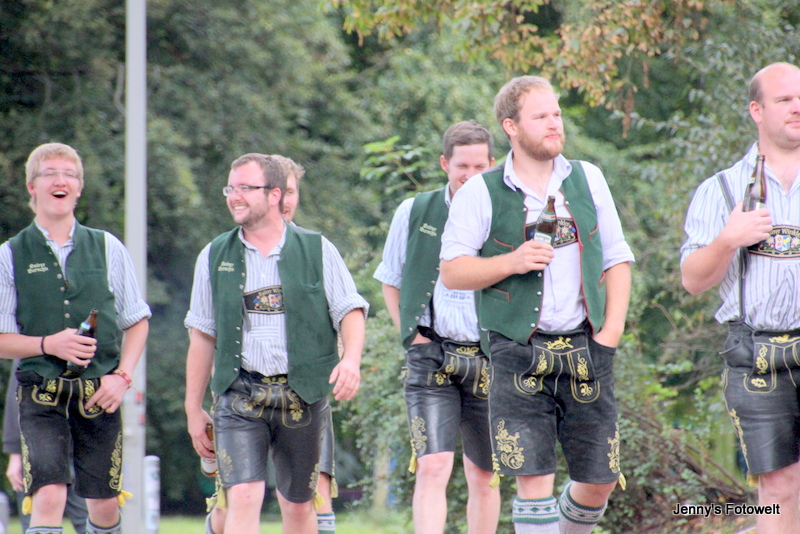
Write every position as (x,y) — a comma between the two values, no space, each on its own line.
(133,408)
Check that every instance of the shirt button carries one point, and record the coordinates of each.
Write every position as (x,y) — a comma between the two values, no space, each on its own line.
(427,294)
(539,293)
(62,288)
(536,309)
(66,303)
(59,276)
(236,369)
(533,325)
(238,328)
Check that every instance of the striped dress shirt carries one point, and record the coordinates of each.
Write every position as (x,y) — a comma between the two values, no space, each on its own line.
(264,341)
(772,285)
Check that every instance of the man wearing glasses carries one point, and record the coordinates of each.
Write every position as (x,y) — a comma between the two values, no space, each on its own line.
(267,301)
(52,274)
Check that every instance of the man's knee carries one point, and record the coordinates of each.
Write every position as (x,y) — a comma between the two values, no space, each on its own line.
(437,465)
(780,485)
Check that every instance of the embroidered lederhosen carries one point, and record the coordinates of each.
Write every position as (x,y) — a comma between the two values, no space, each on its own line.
(446,390)
(760,382)
(242,447)
(559,386)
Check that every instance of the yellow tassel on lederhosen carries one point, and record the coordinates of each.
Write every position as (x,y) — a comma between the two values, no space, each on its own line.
(623,482)
(27,505)
(123,495)
(495,481)
(412,464)
(752,480)
(334,488)
(319,500)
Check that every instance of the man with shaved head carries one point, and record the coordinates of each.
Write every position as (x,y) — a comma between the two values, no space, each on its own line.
(754,257)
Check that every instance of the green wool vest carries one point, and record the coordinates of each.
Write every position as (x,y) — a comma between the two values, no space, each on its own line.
(311,337)
(511,307)
(48,303)
(421,269)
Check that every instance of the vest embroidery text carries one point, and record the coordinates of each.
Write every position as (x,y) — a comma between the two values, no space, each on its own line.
(225,266)
(37,268)
(428,229)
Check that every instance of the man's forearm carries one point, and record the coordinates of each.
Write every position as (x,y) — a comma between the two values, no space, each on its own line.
(353,329)
(472,273)
(134,340)
(199,362)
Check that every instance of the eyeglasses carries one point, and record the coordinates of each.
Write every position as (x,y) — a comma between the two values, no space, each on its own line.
(241,189)
(52,173)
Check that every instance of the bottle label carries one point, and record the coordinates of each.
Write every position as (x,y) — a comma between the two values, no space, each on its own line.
(543,237)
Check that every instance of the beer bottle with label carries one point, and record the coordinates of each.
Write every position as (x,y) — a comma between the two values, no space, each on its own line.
(756,196)
(209,465)
(87,328)
(547,224)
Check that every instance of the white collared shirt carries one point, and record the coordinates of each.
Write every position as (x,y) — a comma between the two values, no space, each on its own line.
(470,222)
(772,287)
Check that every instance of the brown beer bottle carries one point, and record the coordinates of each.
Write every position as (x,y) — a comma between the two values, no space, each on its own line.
(87,328)
(756,196)
(547,224)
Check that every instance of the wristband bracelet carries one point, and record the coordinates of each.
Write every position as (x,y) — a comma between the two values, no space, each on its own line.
(41,346)
(124,375)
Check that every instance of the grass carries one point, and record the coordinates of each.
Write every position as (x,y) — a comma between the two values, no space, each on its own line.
(346,523)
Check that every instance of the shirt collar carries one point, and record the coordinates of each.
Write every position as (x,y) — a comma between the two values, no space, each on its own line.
(276,250)
(561,169)
(47,233)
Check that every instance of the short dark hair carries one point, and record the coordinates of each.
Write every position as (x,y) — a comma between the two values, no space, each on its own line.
(274,173)
(463,134)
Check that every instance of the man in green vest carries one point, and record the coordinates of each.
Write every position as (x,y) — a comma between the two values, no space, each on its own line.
(326,485)
(553,313)
(52,274)
(446,383)
(267,301)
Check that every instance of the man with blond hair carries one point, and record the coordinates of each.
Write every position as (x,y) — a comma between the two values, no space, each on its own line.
(52,274)
(554,313)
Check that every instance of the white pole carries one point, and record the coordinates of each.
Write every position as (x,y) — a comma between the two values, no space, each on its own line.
(133,409)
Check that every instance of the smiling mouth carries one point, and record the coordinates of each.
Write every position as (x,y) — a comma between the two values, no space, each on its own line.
(60,194)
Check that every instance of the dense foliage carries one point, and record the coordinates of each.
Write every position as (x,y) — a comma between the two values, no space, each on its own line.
(364,113)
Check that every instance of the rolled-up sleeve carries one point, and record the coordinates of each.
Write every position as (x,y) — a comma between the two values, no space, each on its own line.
(8,292)
(201,305)
(340,289)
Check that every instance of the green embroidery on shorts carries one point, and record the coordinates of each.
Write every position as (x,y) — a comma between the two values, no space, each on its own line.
(507,445)
(418,437)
